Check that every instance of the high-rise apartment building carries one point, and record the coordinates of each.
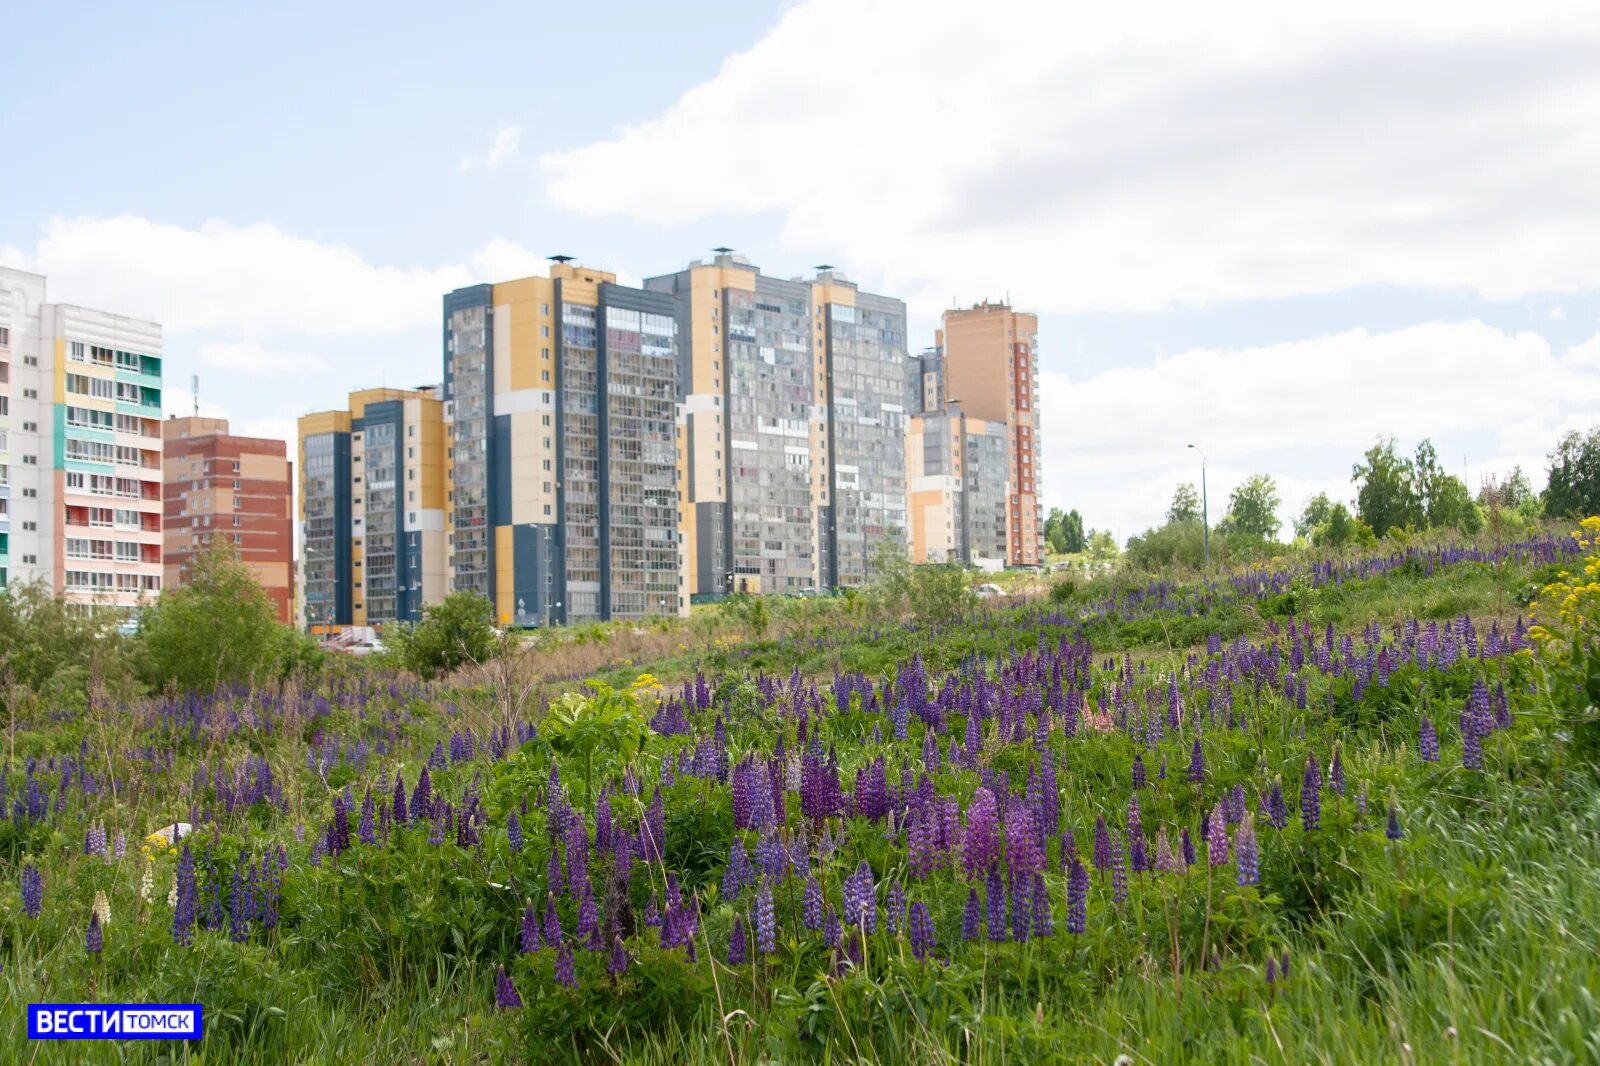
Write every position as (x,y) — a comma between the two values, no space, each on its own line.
(791,429)
(561,401)
(990,371)
(238,488)
(372,509)
(80,448)
(956,468)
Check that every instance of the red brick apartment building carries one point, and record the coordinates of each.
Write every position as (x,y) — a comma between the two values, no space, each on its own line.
(238,487)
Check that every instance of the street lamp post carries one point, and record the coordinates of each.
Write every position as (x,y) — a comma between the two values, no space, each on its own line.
(1205,512)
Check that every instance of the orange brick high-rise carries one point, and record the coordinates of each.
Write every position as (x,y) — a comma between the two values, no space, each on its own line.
(991,371)
(217,484)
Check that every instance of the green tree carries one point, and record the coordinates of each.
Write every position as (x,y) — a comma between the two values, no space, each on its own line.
(218,628)
(453,632)
(1073,539)
(1386,496)
(1573,490)
(1253,509)
(1102,546)
(1318,510)
(1185,505)
(51,651)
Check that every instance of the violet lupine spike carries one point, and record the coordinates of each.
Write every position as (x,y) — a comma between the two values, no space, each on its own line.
(971,916)
(1077,898)
(766,920)
(995,896)
(33,890)
(1428,741)
(1247,853)
(505,993)
(1311,796)
(811,905)
(738,942)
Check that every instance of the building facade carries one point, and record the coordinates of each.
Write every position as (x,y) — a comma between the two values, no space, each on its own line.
(80,448)
(990,370)
(561,404)
(956,469)
(372,510)
(220,485)
(790,434)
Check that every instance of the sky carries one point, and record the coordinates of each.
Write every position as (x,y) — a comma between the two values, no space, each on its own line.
(1274,231)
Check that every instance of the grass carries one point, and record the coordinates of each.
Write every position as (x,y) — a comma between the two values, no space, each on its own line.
(1469,940)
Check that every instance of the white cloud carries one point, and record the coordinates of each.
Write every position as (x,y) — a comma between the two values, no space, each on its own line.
(15,258)
(1138,155)
(506,140)
(252,360)
(1304,411)
(255,279)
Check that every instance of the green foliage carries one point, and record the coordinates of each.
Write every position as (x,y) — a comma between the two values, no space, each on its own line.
(218,628)
(50,651)
(1064,532)
(453,632)
(1253,510)
(1185,506)
(1574,476)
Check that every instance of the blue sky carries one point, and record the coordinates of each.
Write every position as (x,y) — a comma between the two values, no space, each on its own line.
(1277,232)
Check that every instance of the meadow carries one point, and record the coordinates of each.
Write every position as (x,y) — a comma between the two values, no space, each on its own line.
(1339,810)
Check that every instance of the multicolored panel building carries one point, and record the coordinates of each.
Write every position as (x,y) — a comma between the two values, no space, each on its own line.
(80,448)
(561,403)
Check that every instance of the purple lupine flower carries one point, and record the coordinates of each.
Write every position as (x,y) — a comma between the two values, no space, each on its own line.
(1311,796)
(766,919)
(530,929)
(1393,830)
(93,940)
(738,943)
(1119,872)
(514,832)
(897,907)
(366,832)
(398,814)
(1471,744)
(1277,809)
(981,846)
(1428,741)
(32,891)
(183,912)
(505,993)
(1247,853)
(552,920)
(1077,898)
(860,902)
(1197,763)
(1102,844)
(811,905)
(565,974)
(1216,838)
(971,916)
(995,896)
(922,938)
(1043,917)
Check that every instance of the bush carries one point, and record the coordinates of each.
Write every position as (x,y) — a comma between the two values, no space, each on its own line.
(218,629)
(454,632)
